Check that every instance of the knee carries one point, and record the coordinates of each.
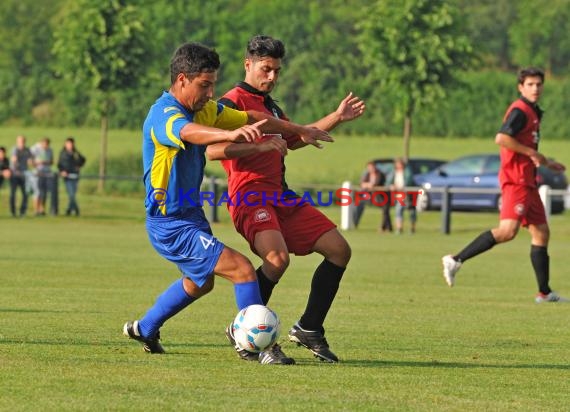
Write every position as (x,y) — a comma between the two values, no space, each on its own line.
(245,271)
(345,254)
(505,235)
(276,263)
(193,290)
(341,255)
(208,286)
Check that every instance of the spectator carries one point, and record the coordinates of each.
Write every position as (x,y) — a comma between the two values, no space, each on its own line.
(371,178)
(42,160)
(69,163)
(400,178)
(20,161)
(4,166)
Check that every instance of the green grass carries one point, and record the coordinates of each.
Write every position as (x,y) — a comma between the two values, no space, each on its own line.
(406,341)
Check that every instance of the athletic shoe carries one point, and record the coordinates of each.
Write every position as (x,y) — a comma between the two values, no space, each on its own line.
(551,297)
(275,356)
(242,353)
(450,268)
(314,341)
(150,345)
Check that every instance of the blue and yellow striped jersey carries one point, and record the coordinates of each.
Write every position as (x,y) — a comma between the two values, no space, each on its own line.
(174,169)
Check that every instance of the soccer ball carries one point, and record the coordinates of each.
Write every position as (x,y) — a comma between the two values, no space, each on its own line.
(255,328)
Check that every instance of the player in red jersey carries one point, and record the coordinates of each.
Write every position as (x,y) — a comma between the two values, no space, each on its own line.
(518,138)
(272,220)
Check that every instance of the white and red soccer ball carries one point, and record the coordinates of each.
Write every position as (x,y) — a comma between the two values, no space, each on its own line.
(255,328)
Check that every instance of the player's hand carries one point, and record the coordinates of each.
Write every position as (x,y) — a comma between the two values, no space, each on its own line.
(247,133)
(274,142)
(557,167)
(312,135)
(350,108)
(538,159)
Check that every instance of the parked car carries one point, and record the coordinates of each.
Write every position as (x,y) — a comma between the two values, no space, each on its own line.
(479,171)
(418,165)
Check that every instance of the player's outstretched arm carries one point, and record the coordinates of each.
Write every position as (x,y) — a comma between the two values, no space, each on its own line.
(204,135)
(223,151)
(553,165)
(309,135)
(350,108)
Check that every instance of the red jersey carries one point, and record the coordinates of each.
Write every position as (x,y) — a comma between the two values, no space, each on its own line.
(517,168)
(260,172)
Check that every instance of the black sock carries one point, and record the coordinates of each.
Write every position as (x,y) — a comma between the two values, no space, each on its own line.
(324,286)
(541,264)
(266,285)
(482,243)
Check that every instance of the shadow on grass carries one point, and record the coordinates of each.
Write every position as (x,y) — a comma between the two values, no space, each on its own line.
(453,365)
(185,349)
(11,310)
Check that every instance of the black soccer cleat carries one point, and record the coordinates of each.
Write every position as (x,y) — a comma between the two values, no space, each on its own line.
(275,356)
(150,345)
(242,353)
(314,341)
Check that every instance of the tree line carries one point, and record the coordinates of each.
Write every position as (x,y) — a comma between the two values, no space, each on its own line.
(86,62)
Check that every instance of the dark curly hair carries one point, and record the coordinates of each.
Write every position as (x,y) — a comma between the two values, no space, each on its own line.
(264,46)
(192,59)
(530,72)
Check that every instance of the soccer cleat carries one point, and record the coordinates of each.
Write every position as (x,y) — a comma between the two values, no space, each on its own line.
(450,268)
(150,345)
(275,356)
(242,353)
(314,341)
(551,297)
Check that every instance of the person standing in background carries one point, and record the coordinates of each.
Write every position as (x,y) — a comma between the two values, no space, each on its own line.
(69,163)
(42,160)
(20,161)
(401,178)
(371,178)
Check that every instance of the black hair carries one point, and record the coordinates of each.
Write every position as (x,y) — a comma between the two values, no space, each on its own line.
(264,46)
(530,72)
(192,59)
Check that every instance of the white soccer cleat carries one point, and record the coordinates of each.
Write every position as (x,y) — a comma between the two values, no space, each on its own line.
(551,297)
(450,268)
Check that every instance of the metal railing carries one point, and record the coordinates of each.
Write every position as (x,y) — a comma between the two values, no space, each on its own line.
(347,211)
(215,185)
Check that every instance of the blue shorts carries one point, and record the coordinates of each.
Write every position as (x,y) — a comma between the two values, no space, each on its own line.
(187,241)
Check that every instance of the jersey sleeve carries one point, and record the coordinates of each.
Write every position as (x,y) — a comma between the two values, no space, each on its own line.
(166,127)
(514,123)
(229,119)
(227,102)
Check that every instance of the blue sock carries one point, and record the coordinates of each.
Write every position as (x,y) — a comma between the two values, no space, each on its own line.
(172,301)
(247,294)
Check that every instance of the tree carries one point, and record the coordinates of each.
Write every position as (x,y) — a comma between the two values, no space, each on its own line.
(25,75)
(412,49)
(539,35)
(100,50)
(486,27)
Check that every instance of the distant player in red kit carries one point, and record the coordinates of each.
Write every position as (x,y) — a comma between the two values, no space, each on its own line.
(518,137)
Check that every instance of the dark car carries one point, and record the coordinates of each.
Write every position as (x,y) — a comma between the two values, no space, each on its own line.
(479,172)
(418,165)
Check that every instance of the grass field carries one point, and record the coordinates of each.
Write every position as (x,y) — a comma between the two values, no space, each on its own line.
(406,341)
